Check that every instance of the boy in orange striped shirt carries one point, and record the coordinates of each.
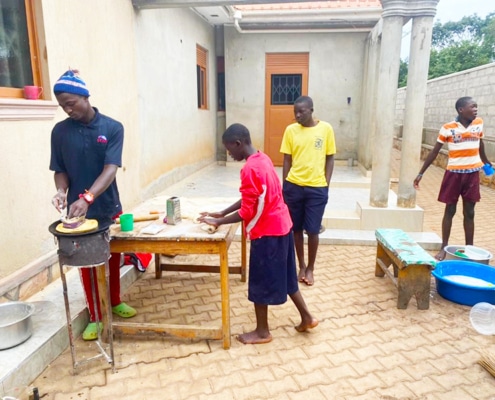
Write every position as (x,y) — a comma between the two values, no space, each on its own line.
(466,157)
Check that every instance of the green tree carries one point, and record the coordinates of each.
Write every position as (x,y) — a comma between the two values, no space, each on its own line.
(457,46)
(403,73)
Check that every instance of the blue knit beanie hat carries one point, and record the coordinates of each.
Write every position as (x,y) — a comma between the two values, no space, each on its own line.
(70,82)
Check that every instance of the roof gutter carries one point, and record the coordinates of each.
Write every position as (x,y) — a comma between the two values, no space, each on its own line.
(303,16)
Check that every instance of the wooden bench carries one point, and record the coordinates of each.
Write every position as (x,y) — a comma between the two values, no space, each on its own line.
(412,266)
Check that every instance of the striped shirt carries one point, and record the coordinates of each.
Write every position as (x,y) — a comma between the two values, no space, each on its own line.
(463,145)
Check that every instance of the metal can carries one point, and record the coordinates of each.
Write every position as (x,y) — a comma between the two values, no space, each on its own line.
(173,211)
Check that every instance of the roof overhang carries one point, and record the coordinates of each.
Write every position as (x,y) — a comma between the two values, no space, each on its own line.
(282,19)
(205,3)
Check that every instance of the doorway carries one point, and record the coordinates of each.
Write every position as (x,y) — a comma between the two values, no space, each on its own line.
(286,78)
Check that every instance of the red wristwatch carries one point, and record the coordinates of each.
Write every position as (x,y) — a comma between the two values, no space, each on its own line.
(88,197)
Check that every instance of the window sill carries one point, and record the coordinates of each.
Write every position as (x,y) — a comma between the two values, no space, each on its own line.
(22,110)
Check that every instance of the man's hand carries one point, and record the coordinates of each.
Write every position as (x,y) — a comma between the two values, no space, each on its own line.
(78,208)
(417,180)
(210,214)
(209,219)
(59,201)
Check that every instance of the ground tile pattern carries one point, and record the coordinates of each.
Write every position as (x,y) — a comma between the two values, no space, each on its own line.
(364,348)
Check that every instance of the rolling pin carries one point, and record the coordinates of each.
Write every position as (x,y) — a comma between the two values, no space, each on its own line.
(142,218)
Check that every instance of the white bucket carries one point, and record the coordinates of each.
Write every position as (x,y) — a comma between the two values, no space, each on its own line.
(461,253)
(482,317)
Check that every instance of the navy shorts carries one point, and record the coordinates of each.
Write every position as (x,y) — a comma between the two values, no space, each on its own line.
(306,206)
(455,184)
(272,270)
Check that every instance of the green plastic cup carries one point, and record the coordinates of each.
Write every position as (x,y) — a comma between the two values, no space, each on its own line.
(126,222)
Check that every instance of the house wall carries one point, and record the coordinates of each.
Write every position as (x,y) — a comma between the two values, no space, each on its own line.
(140,68)
(98,39)
(177,138)
(336,63)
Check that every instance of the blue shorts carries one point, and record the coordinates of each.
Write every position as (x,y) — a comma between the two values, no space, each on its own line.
(455,184)
(272,270)
(306,206)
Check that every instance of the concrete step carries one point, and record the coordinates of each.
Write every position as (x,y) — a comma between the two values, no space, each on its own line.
(23,363)
(341,219)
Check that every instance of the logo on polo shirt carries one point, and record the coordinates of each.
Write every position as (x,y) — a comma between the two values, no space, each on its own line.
(102,139)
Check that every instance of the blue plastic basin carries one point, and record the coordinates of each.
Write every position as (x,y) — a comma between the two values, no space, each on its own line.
(464,291)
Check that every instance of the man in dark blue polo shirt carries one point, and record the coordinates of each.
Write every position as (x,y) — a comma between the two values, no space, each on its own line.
(86,151)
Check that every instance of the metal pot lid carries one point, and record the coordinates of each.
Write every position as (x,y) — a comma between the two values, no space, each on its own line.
(53,230)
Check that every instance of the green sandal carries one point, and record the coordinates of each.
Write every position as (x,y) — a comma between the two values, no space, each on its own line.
(91,331)
(124,311)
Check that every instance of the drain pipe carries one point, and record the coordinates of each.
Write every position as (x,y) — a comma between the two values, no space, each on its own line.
(237,18)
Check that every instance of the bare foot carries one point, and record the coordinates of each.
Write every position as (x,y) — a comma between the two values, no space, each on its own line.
(304,326)
(301,277)
(254,338)
(440,255)
(309,278)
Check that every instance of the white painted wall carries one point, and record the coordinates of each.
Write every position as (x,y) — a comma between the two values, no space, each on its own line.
(177,138)
(140,68)
(336,63)
(97,37)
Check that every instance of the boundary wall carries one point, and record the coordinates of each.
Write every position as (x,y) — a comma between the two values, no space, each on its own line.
(441,96)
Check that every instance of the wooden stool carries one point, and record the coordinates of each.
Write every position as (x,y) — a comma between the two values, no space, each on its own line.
(412,266)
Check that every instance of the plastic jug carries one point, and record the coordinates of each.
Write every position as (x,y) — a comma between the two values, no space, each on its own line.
(488,169)
(482,317)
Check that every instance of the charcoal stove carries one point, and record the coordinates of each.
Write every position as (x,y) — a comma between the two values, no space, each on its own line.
(88,250)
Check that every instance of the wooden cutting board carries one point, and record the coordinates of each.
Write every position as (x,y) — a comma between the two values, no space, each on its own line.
(88,226)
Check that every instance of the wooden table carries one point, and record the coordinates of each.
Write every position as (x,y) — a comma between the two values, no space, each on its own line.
(184,238)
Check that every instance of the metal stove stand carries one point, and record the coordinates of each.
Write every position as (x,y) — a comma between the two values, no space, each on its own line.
(89,250)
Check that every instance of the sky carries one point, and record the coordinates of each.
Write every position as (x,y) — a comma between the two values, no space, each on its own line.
(451,10)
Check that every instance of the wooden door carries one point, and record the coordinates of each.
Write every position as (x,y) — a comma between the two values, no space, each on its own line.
(286,78)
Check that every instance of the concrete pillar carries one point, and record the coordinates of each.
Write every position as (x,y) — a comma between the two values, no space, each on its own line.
(367,123)
(419,58)
(388,76)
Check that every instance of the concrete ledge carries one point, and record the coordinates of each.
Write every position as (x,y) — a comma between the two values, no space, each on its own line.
(22,364)
(393,216)
(427,240)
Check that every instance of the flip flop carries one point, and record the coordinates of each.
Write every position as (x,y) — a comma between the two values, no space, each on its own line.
(91,331)
(123,310)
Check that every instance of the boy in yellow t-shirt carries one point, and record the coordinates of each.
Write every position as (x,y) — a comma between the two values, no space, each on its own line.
(308,147)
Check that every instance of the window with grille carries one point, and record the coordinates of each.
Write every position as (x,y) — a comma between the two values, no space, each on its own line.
(286,88)
(202,77)
(19,53)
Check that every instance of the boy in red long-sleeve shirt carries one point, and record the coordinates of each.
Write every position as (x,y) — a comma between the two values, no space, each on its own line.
(272,264)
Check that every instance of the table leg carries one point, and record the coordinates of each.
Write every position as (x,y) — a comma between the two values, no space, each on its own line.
(224,290)
(158,266)
(243,254)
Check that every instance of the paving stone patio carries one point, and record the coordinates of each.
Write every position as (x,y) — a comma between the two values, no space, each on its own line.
(363,348)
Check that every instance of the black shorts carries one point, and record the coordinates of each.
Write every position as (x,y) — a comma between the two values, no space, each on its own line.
(272,270)
(306,206)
